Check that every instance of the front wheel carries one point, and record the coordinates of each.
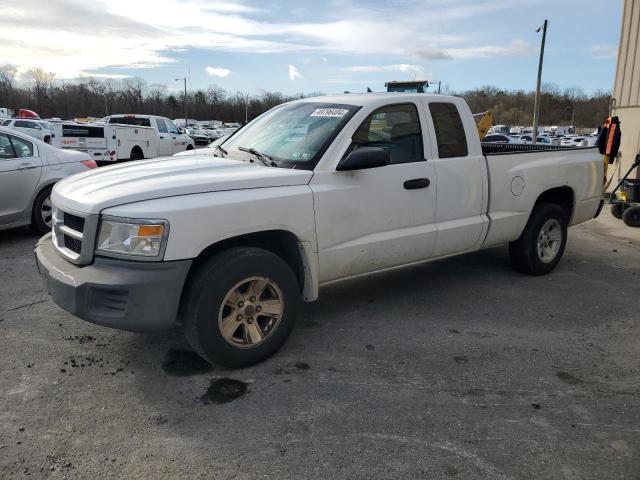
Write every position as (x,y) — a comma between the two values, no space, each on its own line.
(42,213)
(240,306)
(541,245)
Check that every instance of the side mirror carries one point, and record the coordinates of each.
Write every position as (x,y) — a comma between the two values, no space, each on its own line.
(364,157)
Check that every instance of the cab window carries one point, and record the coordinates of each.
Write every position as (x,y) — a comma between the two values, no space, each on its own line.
(172,127)
(450,135)
(395,128)
(22,147)
(162,127)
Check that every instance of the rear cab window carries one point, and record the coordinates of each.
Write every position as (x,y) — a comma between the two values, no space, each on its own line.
(450,135)
(131,120)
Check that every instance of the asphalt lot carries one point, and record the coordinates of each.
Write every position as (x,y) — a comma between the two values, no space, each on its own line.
(461,368)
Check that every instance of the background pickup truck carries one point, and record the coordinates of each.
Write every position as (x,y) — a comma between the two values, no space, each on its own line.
(313,191)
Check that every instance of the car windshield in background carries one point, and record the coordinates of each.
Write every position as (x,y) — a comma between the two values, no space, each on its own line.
(293,135)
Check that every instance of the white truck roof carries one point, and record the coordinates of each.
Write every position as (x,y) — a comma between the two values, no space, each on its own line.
(363,99)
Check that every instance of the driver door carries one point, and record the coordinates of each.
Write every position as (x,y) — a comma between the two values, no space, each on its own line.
(165,142)
(377,218)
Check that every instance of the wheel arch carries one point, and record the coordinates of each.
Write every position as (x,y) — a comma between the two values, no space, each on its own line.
(137,149)
(563,196)
(282,243)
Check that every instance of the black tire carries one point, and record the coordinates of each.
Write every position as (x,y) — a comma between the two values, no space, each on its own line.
(189,147)
(631,216)
(524,252)
(617,209)
(37,222)
(136,155)
(205,294)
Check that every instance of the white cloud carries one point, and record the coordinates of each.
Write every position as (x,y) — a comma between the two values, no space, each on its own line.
(73,37)
(517,48)
(603,52)
(400,67)
(218,72)
(294,73)
(113,76)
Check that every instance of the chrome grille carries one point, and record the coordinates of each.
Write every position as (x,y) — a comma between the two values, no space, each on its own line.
(72,244)
(74,222)
(74,235)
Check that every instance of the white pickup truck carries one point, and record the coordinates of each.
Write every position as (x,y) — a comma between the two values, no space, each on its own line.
(311,192)
(122,137)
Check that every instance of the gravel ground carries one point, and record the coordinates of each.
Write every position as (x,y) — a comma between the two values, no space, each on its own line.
(461,368)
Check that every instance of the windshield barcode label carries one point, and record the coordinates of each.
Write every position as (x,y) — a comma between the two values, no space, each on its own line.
(329,112)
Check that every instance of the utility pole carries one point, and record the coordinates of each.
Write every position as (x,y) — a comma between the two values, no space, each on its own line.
(536,106)
(184,99)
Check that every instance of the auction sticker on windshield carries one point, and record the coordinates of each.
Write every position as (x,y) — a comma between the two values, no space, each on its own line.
(329,112)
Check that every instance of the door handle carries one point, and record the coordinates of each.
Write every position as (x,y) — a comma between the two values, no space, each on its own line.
(26,166)
(417,183)
(161,137)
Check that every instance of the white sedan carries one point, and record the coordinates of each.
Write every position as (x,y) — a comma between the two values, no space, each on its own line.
(28,170)
(34,128)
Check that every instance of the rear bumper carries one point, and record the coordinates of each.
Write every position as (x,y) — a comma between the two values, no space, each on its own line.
(135,296)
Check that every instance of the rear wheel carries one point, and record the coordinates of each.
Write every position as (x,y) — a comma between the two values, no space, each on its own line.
(631,216)
(541,245)
(240,306)
(42,212)
(136,155)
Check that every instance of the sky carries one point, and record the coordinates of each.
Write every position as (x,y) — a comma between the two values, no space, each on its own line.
(331,46)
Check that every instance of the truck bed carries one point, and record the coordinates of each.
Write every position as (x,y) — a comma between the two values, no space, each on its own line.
(518,173)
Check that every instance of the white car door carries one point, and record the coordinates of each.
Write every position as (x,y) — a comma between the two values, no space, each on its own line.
(165,141)
(20,170)
(461,179)
(179,140)
(378,218)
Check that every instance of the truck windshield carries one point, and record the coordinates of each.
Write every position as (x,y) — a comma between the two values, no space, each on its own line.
(293,135)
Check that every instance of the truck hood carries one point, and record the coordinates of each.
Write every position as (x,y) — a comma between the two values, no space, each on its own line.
(92,191)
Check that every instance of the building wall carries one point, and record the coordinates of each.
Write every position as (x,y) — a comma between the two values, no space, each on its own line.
(626,90)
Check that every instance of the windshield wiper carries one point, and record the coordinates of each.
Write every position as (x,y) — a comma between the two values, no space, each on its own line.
(263,157)
(222,150)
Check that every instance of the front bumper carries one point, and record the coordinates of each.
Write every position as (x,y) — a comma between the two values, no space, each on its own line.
(128,295)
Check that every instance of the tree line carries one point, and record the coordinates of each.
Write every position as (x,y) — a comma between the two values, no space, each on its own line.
(91,97)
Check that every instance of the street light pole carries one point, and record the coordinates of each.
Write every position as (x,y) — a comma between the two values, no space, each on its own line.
(536,106)
(184,99)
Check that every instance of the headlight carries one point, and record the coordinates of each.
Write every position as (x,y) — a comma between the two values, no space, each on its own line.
(132,237)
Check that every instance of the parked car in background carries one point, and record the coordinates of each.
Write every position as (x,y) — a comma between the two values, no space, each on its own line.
(212,149)
(498,138)
(198,135)
(574,142)
(28,170)
(39,129)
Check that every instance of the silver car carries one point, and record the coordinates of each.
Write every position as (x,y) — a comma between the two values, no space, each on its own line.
(28,170)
